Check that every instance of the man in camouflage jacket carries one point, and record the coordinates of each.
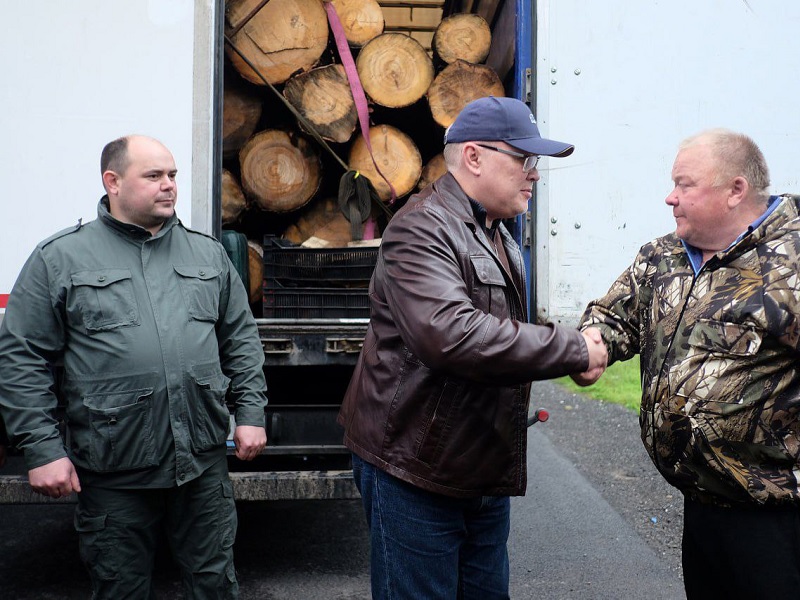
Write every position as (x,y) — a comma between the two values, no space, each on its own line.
(713,311)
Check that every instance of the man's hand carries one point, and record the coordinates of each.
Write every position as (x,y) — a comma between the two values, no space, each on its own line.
(598,358)
(55,479)
(249,441)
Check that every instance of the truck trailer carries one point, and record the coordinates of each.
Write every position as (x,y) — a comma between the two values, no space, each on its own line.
(622,81)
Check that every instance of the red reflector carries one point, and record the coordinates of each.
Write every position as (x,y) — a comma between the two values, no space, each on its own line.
(542,415)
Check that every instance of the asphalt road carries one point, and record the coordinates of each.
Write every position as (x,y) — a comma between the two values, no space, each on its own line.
(597,523)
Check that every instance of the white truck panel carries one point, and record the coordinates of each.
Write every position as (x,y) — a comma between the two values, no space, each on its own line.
(74,83)
(626,82)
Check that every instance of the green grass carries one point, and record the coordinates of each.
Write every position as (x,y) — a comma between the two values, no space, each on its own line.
(620,384)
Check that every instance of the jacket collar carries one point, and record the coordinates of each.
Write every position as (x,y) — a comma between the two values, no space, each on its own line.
(129,229)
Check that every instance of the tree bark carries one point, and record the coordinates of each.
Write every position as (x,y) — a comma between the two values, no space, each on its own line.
(459,84)
(255,270)
(280,171)
(321,219)
(361,20)
(433,169)
(396,155)
(241,111)
(323,96)
(462,36)
(280,39)
(394,69)
(233,200)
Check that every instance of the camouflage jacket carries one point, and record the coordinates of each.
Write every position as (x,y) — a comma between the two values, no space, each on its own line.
(719,360)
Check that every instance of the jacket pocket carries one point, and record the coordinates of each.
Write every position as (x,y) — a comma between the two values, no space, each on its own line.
(208,414)
(201,288)
(120,431)
(489,290)
(436,427)
(105,299)
(713,379)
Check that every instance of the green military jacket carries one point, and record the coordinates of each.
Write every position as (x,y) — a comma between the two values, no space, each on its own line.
(719,360)
(154,334)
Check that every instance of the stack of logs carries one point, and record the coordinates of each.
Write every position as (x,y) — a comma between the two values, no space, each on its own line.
(274,169)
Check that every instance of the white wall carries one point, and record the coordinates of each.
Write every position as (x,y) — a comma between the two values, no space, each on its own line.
(649,73)
(76,75)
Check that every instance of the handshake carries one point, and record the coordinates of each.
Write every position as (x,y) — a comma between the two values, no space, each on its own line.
(598,358)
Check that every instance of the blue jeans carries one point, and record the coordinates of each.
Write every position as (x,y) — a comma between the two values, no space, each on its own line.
(425,545)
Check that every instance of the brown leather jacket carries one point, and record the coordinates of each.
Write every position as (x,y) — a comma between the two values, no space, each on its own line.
(439,396)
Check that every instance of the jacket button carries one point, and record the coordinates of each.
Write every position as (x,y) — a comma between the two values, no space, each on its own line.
(202,273)
(101,278)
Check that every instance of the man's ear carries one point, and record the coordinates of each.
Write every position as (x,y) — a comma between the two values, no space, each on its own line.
(740,188)
(472,159)
(111,182)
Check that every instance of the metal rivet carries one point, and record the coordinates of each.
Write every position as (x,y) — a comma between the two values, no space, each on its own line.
(553,69)
(553,82)
(577,225)
(202,273)
(577,71)
(101,278)
(553,220)
(553,232)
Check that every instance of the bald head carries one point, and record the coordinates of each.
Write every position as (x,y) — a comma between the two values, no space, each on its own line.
(735,155)
(139,177)
(116,154)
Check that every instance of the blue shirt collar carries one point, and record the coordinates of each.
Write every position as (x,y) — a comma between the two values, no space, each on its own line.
(696,255)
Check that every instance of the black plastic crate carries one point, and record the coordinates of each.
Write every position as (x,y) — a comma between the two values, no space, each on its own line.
(317,267)
(313,303)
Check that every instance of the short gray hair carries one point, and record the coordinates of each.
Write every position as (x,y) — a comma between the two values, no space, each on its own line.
(452,155)
(737,155)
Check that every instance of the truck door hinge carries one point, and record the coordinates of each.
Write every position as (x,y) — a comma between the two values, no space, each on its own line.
(528,86)
(526,235)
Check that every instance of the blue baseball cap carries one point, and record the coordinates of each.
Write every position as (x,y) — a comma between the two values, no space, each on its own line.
(508,120)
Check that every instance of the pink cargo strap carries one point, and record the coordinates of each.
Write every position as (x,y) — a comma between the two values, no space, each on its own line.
(355,85)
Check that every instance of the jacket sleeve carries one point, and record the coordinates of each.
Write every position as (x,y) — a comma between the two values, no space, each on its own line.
(31,342)
(240,350)
(619,313)
(436,317)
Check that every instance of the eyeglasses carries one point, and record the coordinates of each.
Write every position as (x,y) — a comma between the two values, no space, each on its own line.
(529,160)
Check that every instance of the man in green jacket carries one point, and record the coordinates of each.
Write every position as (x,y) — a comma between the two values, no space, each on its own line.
(150,325)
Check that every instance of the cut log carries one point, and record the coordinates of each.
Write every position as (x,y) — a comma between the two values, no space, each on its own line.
(394,69)
(321,219)
(396,155)
(241,111)
(361,20)
(280,39)
(462,36)
(280,171)
(255,269)
(323,96)
(435,168)
(233,200)
(459,84)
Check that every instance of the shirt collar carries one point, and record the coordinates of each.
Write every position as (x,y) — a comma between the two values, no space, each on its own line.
(480,216)
(696,255)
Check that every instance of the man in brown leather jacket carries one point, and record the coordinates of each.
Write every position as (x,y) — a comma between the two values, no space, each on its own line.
(436,411)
